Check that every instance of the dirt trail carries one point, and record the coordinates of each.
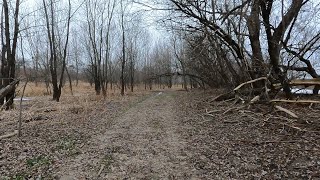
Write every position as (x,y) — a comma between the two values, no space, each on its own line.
(143,143)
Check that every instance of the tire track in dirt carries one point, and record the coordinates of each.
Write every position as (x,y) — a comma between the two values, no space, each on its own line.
(143,143)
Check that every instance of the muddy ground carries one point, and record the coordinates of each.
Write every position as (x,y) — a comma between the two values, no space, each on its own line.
(161,135)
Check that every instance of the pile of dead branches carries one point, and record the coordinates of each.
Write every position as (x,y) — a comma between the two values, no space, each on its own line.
(275,114)
(264,95)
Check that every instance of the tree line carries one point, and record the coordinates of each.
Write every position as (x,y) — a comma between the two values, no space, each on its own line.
(208,43)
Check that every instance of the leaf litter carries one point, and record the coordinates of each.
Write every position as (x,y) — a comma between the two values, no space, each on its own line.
(174,135)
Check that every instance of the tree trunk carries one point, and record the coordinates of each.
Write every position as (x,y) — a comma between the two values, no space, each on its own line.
(70,81)
(10,65)
(56,93)
(123,62)
(254,35)
(131,77)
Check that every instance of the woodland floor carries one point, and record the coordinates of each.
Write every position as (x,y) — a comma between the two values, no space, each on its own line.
(160,135)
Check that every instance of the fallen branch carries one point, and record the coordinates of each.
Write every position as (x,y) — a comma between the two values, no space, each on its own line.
(225,96)
(213,111)
(9,135)
(207,114)
(4,91)
(289,125)
(255,99)
(101,169)
(295,101)
(305,82)
(232,95)
(233,108)
(249,82)
(287,111)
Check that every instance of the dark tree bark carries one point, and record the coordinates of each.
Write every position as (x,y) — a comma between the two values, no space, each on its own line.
(252,11)
(275,38)
(254,27)
(9,51)
(57,83)
(123,59)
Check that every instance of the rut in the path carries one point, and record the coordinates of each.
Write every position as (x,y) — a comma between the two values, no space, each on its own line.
(143,143)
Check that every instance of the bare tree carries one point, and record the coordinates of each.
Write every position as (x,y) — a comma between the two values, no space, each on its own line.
(123,58)
(110,13)
(99,15)
(178,52)
(56,53)
(236,27)
(9,47)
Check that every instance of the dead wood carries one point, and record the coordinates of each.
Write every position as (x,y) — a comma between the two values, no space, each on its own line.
(305,82)
(295,101)
(255,99)
(231,94)
(247,92)
(213,111)
(225,96)
(236,108)
(9,135)
(101,169)
(4,91)
(287,111)
(249,82)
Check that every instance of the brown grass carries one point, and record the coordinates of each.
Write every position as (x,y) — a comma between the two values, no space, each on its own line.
(48,125)
(39,89)
(83,88)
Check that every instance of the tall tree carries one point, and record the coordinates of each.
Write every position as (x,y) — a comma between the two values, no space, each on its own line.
(9,47)
(236,26)
(56,54)
(99,15)
(123,58)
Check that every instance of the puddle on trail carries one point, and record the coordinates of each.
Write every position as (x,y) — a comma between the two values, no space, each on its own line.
(23,99)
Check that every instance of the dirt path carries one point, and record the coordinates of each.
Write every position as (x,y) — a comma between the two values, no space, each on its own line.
(169,135)
(143,143)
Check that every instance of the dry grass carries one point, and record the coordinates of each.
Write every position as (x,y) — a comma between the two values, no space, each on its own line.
(84,89)
(53,131)
(32,89)
(39,89)
(83,98)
